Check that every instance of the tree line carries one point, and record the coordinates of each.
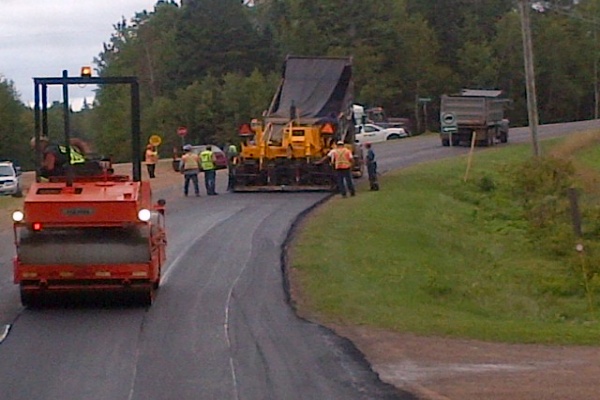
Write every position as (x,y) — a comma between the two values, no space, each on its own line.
(211,65)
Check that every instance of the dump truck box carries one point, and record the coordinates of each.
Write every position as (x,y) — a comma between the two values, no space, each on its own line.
(473,112)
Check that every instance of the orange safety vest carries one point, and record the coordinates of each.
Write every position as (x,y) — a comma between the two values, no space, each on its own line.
(190,161)
(151,156)
(342,158)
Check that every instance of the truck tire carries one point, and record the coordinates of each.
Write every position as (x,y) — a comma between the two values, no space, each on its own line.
(359,173)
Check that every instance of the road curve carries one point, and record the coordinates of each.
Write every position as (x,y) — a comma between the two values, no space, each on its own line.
(220,328)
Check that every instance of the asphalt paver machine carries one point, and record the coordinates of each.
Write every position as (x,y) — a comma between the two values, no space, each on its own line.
(310,111)
(89,230)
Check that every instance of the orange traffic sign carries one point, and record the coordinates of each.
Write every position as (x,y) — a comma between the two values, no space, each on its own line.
(328,129)
(245,129)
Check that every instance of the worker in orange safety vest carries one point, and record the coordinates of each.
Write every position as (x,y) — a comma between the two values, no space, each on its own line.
(341,158)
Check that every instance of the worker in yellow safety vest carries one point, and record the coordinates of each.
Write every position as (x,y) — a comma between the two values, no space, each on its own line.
(341,158)
(208,163)
(56,158)
(189,166)
(232,161)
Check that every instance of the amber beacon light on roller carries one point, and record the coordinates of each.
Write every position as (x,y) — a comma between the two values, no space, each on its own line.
(86,72)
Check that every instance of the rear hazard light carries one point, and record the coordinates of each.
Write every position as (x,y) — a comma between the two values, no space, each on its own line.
(37,226)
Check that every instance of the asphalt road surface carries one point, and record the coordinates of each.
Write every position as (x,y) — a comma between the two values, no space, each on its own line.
(221,327)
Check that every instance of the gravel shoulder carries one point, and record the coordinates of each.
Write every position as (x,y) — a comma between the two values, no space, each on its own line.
(440,368)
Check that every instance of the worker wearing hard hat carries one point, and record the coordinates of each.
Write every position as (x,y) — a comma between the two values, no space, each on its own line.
(189,166)
(342,159)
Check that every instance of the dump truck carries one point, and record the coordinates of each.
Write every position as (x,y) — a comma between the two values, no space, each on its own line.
(473,114)
(88,230)
(310,111)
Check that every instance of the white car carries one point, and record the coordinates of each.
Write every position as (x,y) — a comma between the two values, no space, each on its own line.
(10,179)
(371,133)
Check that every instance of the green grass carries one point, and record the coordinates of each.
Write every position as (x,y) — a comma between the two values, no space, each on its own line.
(433,255)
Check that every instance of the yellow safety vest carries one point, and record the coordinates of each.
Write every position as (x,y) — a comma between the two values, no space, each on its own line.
(342,158)
(76,156)
(206,160)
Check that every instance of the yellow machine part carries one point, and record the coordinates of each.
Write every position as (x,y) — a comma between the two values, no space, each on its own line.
(285,157)
(293,141)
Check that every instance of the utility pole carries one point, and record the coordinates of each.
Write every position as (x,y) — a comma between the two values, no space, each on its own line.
(596,89)
(532,110)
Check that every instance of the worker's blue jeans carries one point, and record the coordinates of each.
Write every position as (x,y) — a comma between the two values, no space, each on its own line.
(344,178)
(210,178)
(191,177)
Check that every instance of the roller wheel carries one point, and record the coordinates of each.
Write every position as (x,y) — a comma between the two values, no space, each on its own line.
(30,299)
(84,247)
(143,298)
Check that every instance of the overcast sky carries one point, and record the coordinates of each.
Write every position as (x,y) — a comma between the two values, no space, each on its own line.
(41,38)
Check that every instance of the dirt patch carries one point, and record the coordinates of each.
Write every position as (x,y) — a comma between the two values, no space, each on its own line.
(440,368)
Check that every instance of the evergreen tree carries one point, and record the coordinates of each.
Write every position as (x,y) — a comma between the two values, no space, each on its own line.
(14,132)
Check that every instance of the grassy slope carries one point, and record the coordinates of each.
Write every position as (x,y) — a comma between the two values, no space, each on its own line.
(433,255)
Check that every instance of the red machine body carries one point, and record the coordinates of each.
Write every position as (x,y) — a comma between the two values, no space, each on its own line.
(89,237)
(91,230)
